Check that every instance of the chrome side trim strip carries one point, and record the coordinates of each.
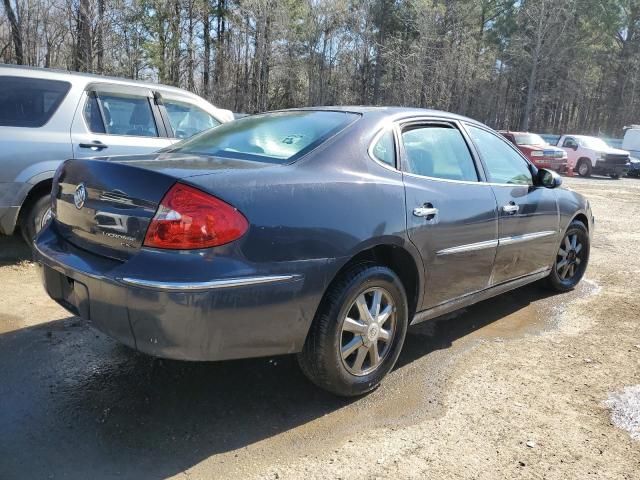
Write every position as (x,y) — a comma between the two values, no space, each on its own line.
(469,247)
(525,237)
(213,284)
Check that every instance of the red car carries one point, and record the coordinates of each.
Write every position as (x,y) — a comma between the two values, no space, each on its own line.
(538,151)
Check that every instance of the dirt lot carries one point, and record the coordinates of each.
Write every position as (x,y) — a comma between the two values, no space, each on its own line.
(511,388)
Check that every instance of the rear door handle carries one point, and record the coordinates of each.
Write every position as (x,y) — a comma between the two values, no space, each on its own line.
(510,208)
(427,211)
(96,146)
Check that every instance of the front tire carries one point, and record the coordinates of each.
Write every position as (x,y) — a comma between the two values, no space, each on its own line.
(36,216)
(572,258)
(357,334)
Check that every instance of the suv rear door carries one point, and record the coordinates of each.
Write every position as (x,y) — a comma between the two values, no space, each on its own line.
(117,120)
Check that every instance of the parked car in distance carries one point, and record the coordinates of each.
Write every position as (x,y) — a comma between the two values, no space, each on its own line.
(323,232)
(537,150)
(47,116)
(631,143)
(589,155)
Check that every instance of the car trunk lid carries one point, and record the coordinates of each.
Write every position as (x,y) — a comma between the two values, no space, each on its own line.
(105,205)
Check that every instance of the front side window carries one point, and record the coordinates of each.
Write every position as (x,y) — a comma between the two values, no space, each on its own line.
(29,102)
(120,115)
(570,142)
(438,151)
(279,137)
(384,149)
(504,164)
(186,120)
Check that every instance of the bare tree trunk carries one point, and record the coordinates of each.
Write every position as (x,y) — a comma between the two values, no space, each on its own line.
(15,32)
(82,57)
(100,38)
(206,33)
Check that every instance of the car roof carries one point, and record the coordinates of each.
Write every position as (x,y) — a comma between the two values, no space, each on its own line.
(392,113)
(86,78)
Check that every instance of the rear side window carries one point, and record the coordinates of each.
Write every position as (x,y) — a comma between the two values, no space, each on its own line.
(120,115)
(279,137)
(186,120)
(438,151)
(384,149)
(29,102)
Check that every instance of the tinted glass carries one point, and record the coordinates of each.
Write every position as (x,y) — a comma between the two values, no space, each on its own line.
(503,163)
(384,149)
(438,151)
(569,142)
(187,120)
(92,115)
(29,102)
(273,137)
(127,115)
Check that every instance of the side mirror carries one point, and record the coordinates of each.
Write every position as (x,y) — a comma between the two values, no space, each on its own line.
(548,178)
(574,146)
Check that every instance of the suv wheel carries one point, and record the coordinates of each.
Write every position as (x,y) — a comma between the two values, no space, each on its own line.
(36,216)
(584,168)
(572,258)
(358,331)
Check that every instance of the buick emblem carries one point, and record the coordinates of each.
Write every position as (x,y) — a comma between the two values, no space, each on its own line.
(80,196)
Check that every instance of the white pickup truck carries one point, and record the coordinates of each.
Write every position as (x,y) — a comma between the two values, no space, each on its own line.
(587,155)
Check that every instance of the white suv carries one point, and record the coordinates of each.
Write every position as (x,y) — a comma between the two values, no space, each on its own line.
(47,116)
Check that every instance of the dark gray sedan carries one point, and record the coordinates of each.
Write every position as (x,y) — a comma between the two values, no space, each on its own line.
(323,232)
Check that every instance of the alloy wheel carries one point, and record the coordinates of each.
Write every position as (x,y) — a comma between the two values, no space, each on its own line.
(570,257)
(367,331)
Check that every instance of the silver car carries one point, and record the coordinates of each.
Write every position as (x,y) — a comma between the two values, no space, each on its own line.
(48,116)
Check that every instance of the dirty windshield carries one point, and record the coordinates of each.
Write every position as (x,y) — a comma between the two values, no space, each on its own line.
(280,137)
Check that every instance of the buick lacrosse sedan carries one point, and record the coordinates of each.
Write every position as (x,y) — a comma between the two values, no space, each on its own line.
(323,232)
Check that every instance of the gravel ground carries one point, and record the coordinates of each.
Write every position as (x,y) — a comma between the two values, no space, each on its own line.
(526,385)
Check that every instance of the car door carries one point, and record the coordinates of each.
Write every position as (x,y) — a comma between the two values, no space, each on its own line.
(117,120)
(570,145)
(451,214)
(528,215)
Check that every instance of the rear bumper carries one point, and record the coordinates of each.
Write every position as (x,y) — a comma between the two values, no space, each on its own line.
(244,315)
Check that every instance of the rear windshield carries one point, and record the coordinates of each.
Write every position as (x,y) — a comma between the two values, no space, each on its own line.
(529,139)
(29,102)
(279,137)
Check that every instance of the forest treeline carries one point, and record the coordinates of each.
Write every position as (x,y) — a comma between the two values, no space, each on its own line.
(543,65)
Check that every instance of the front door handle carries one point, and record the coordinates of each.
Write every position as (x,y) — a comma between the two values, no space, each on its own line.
(510,208)
(427,211)
(96,146)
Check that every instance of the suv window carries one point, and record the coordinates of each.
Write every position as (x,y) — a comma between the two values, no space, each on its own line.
(504,164)
(384,149)
(186,120)
(120,115)
(570,142)
(438,151)
(29,102)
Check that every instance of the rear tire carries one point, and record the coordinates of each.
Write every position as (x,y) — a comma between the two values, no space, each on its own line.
(325,358)
(37,214)
(584,168)
(571,260)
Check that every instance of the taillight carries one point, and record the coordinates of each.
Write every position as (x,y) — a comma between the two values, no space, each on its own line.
(188,218)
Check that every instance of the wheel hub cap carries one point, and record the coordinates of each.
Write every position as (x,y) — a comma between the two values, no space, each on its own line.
(367,331)
(569,257)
